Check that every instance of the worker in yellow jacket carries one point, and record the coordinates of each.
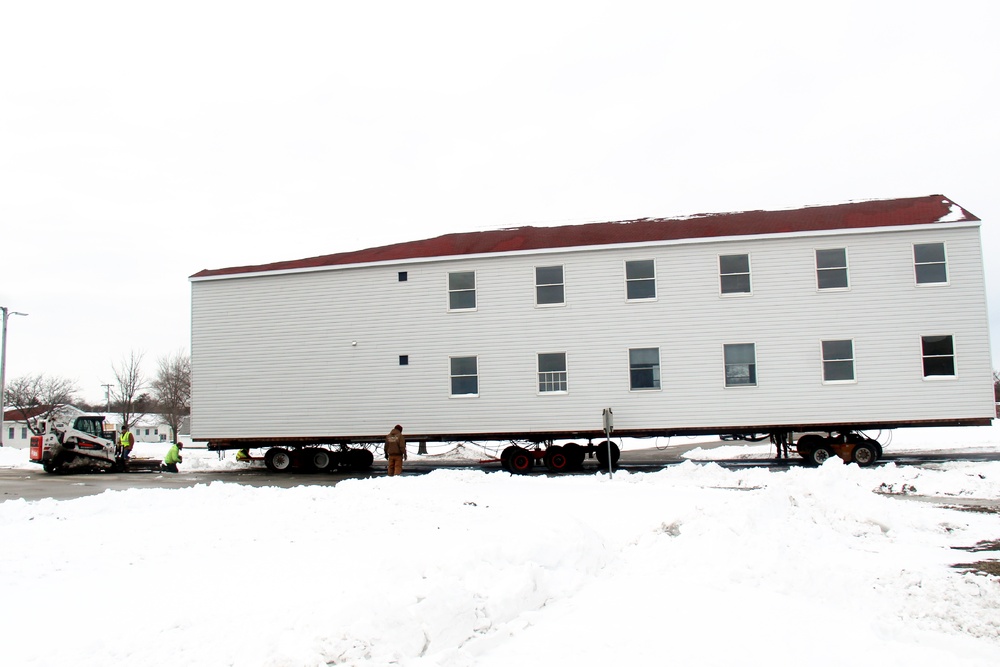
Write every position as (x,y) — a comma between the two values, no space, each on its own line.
(172,458)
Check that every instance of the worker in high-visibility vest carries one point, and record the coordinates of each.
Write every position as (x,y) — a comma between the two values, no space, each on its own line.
(172,458)
(126,440)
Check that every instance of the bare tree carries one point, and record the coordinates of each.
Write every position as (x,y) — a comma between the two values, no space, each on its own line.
(172,388)
(128,386)
(38,397)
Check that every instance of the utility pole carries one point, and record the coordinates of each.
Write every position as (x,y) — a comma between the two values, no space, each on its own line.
(3,365)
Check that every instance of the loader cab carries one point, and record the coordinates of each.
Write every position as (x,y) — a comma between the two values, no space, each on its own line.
(90,424)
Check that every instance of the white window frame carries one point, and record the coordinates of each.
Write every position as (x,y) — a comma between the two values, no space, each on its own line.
(953,355)
(846,268)
(543,381)
(726,365)
(947,273)
(474,290)
(452,376)
(749,274)
(562,284)
(824,361)
(637,280)
(657,373)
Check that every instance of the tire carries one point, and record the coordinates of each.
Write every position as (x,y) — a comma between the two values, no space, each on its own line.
(317,460)
(521,461)
(505,457)
(864,455)
(878,448)
(556,459)
(807,444)
(820,455)
(49,467)
(602,454)
(278,459)
(362,459)
(574,455)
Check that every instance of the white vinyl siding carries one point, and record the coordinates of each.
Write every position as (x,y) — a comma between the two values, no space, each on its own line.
(295,371)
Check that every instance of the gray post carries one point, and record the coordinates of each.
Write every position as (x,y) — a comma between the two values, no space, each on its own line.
(609,424)
(3,366)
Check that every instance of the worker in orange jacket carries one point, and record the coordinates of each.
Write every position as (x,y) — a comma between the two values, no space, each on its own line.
(395,450)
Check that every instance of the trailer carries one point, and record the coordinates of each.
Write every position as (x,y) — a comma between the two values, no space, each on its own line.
(816,328)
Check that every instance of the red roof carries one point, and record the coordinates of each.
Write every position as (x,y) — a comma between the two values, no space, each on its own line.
(16,415)
(856,215)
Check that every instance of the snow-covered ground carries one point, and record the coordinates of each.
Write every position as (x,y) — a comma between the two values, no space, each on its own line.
(692,565)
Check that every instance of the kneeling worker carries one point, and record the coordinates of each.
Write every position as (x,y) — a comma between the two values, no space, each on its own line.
(172,458)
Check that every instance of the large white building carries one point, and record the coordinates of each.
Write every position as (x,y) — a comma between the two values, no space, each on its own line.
(869,314)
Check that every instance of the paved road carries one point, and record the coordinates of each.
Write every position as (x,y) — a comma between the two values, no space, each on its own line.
(34,484)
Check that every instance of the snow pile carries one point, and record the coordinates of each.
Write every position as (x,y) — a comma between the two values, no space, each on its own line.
(459,568)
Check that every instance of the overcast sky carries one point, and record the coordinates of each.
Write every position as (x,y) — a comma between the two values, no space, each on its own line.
(141,142)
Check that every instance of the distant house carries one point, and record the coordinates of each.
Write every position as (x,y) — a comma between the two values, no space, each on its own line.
(16,432)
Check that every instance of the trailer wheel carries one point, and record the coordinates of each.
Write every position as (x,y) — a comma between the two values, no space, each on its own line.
(505,457)
(318,460)
(807,444)
(602,454)
(556,459)
(521,461)
(574,455)
(818,456)
(278,459)
(362,459)
(864,454)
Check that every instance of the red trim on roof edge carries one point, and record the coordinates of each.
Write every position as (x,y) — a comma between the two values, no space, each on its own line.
(855,215)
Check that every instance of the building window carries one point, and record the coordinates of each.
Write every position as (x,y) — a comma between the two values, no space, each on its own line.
(10,433)
(464,376)
(831,268)
(930,264)
(404,360)
(644,368)
(552,372)
(741,365)
(939,355)
(734,274)
(24,433)
(402,276)
(640,279)
(462,290)
(838,361)
(549,286)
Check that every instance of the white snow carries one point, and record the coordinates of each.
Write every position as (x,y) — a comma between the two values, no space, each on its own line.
(692,565)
